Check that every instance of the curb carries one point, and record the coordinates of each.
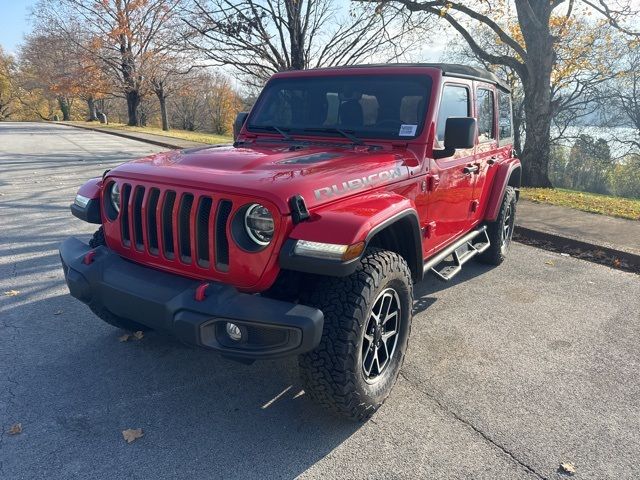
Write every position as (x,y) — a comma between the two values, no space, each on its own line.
(561,242)
(117,133)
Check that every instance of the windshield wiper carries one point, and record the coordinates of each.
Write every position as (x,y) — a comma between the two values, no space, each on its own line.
(273,128)
(344,133)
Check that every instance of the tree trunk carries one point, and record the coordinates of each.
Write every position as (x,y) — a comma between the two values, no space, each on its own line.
(536,81)
(65,107)
(296,35)
(91,105)
(537,148)
(133,103)
(162,98)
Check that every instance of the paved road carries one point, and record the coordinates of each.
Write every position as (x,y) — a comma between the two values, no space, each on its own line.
(510,371)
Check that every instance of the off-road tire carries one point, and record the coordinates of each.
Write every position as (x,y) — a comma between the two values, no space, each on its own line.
(499,248)
(332,374)
(105,315)
(98,239)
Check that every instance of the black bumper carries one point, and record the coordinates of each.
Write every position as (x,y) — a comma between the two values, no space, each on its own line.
(166,302)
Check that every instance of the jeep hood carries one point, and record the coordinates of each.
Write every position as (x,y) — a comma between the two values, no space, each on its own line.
(274,172)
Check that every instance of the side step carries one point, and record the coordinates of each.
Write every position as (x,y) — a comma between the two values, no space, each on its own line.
(457,254)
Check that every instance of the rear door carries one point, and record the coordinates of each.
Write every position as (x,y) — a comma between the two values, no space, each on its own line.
(451,196)
(486,154)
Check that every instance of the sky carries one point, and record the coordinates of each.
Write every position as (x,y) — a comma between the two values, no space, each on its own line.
(14,22)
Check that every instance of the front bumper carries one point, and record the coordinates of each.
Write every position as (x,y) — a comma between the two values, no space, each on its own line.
(167,303)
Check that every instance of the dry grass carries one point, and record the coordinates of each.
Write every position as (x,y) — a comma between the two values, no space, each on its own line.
(587,202)
(201,137)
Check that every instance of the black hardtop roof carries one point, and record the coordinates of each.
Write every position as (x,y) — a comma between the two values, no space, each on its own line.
(448,69)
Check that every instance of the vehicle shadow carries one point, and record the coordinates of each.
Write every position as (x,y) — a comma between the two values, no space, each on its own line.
(77,387)
(425,292)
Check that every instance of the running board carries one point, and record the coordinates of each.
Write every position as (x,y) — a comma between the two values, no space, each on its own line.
(460,252)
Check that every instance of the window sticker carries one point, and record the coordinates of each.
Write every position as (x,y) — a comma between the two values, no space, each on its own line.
(407,130)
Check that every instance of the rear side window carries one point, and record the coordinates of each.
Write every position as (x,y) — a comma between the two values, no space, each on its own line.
(454,103)
(486,112)
(505,122)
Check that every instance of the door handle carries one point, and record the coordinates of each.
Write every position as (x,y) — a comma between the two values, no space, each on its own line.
(470,169)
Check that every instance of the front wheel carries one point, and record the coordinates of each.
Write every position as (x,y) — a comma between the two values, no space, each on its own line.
(367,322)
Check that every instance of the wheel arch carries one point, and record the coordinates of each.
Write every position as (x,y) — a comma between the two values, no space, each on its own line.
(401,234)
(509,174)
(381,219)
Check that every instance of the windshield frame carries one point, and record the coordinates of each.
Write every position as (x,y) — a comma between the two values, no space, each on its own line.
(363,135)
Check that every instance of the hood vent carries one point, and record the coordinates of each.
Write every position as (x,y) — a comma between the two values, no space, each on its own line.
(313,158)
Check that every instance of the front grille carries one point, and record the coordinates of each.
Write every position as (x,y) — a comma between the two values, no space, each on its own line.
(187,228)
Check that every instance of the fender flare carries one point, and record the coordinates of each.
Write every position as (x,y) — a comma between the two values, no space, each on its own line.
(349,222)
(503,177)
(91,212)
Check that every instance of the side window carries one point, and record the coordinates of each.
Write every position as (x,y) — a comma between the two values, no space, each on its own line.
(454,103)
(505,121)
(486,111)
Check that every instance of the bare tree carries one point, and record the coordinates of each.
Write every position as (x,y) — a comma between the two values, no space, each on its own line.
(261,37)
(621,98)
(532,53)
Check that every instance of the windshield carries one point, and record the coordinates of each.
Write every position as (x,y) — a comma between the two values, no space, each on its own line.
(372,106)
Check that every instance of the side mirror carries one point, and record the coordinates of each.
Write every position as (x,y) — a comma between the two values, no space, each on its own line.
(238,123)
(459,132)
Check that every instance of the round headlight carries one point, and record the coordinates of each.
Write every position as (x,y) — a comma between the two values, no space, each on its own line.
(258,223)
(115,197)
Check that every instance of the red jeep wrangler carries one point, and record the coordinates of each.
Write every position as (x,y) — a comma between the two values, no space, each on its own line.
(344,187)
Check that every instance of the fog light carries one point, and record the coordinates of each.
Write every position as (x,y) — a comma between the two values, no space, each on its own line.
(234,332)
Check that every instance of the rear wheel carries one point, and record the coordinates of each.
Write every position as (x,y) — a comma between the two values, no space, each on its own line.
(105,315)
(500,231)
(367,322)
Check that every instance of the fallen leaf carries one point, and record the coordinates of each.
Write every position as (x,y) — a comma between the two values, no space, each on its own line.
(138,335)
(567,468)
(549,263)
(59,312)
(15,429)
(132,434)
(617,263)
(11,293)
(124,337)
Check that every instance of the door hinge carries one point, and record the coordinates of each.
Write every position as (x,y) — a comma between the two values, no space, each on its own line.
(430,229)
(432,182)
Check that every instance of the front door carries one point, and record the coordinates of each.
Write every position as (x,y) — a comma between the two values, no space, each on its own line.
(452,190)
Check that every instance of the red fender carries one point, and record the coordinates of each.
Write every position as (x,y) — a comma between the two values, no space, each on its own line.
(502,178)
(91,188)
(353,220)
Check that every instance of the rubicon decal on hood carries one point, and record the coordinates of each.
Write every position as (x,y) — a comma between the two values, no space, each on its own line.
(357,183)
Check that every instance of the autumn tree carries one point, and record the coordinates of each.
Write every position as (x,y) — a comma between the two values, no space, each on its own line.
(532,43)
(207,101)
(47,62)
(124,33)
(224,102)
(7,75)
(261,37)
(167,73)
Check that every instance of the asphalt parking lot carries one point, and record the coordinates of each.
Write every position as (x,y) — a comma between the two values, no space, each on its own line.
(510,371)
